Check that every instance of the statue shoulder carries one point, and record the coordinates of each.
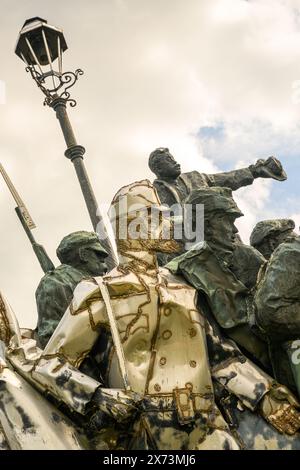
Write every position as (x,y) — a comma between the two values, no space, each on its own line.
(85,292)
(122,282)
(174,280)
(290,246)
(288,255)
(191,174)
(280,277)
(62,277)
(63,273)
(160,185)
(194,179)
(197,251)
(119,284)
(246,264)
(165,191)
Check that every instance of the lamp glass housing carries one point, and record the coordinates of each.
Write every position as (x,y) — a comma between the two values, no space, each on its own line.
(41,47)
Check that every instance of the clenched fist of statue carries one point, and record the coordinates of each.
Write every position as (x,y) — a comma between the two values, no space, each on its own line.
(280,408)
(270,168)
(116,404)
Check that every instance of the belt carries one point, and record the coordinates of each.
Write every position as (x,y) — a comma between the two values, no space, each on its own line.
(186,404)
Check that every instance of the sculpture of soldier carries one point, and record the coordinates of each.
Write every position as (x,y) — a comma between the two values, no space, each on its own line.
(267,235)
(28,421)
(163,353)
(223,271)
(174,187)
(82,257)
(278,309)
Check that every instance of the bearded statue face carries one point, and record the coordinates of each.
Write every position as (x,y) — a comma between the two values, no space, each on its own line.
(149,229)
(140,222)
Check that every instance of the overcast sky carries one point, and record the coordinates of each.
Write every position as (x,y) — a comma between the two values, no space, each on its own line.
(213,80)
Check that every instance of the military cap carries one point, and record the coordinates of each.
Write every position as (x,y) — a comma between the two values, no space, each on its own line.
(264,228)
(76,240)
(214,200)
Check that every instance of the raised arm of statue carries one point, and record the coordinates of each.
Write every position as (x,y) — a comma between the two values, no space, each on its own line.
(234,179)
(269,168)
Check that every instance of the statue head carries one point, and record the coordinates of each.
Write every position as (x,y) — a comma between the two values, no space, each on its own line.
(140,222)
(267,235)
(83,251)
(163,164)
(220,213)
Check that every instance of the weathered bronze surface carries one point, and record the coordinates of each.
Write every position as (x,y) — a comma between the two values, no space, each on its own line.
(278,309)
(173,186)
(267,235)
(82,256)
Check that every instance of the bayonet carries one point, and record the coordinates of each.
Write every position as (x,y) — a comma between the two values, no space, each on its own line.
(25,214)
(28,224)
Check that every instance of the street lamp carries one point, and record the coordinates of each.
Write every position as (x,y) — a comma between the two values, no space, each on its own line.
(41,47)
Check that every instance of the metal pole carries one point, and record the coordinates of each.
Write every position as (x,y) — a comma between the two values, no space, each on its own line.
(75,153)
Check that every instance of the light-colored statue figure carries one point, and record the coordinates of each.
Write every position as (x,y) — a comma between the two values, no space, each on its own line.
(156,344)
(174,187)
(82,256)
(267,235)
(28,421)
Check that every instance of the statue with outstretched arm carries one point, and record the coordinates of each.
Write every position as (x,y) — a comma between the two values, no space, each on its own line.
(173,186)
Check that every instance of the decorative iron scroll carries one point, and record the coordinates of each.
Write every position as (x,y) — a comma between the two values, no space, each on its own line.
(66,81)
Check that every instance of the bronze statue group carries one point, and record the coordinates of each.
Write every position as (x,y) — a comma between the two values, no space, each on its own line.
(180,346)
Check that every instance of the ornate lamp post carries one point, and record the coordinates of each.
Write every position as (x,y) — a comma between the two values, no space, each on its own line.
(41,47)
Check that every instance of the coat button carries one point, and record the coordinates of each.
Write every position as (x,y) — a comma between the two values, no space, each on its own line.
(167,334)
(193,363)
(162,361)
(192,332)
(167,311)
(157,387)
